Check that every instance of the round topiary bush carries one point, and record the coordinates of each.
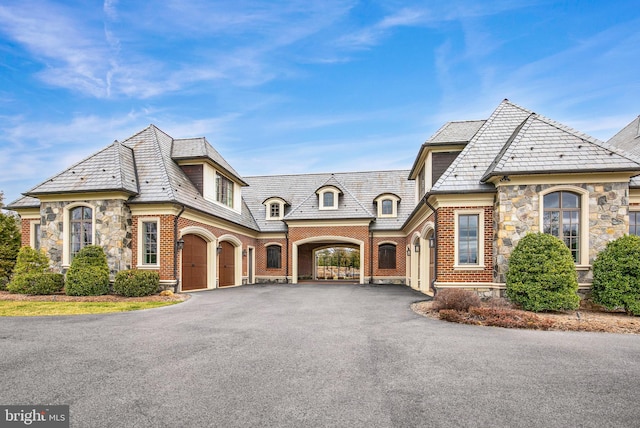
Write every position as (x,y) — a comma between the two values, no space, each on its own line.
(31,274)
(88,274)
(136,283)
(616,275)
(36,283)
(542,275)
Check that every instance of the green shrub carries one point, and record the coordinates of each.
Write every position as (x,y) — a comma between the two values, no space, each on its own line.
(136,283)
(616,275)
(88,274)
(9,246)
(542,275)
(88,281)
(456,299)
(31,261)
(36,283)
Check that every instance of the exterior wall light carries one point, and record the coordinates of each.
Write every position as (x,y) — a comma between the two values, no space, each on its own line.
(180,244)
(408,251)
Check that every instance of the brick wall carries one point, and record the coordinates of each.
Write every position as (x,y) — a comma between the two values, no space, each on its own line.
(446,248)
(25,230)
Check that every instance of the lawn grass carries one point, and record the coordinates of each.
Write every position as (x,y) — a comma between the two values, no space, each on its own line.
(9,308)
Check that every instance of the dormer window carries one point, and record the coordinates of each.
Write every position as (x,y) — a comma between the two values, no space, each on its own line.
(224,190)
(274,208)
(387,205)
(328,198)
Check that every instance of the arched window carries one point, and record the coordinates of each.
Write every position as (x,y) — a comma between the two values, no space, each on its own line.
(387,207)
(561,218)
(387,256)
(81,228)
(274,257)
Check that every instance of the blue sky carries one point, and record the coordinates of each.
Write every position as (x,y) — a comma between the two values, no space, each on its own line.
(300,86)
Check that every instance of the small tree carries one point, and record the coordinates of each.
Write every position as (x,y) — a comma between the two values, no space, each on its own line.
(88,274)
(32,274)
(616,275)
(9,247)
(542,275)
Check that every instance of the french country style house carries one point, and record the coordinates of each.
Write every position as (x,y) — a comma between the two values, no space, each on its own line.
(476,187)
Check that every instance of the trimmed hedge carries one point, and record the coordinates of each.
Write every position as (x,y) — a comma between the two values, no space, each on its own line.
(36,283)
(88,274)
(136,283)
(542,275)
(616,275)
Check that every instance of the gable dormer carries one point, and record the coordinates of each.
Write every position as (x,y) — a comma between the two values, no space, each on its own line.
(209,172)
(328,197)
(274,208)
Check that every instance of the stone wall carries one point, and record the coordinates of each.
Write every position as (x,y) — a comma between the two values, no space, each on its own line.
(111,230)
(518,213)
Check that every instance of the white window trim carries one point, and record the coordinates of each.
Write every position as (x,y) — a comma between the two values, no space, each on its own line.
(140,238)
(394,202)
(237,196)
(32,234)
(480,264)
(584,218)
(268,204)
(336,195)
(66,230)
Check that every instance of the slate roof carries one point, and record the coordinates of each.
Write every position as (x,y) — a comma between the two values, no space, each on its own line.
(628,139)
(162,180)
(458,132)
(199,148)
(110,169)
(359,191)
(516,141)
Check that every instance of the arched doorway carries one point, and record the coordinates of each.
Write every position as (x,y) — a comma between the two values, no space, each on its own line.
(194,263)
(303,255)
(227,264)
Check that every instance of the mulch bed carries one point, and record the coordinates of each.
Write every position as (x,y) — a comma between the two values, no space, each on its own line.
(585,319)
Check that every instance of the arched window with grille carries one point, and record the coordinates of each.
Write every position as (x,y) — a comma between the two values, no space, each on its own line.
(80,228)
(561,218)
(387,256)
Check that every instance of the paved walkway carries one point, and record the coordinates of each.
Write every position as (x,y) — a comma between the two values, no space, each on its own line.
(314,355)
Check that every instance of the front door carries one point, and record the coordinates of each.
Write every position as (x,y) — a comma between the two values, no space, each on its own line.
(194,263)
(227,264)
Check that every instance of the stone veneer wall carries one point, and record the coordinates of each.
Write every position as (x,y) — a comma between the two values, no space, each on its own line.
(518,213)
(112,231)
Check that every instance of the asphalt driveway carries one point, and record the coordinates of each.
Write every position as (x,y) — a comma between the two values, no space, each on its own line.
(314,355)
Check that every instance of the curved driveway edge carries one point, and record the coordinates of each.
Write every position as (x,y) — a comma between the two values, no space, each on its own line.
(314,355)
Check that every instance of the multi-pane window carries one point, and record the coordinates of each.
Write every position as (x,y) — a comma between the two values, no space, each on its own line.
(274,257)
(81,229)
(634,223)
(224,190)
(150,242)
(387,207)
(468,239)
(328,199)
(274,210)
(36,236)
(387,256)
(561,218)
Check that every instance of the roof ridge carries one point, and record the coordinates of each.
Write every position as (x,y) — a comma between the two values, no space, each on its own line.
(165,176)
(294,209)
(507,145)
(118,161)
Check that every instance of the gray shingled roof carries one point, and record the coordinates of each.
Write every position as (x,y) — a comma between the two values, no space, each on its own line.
(465,173)
(162,180)
(24,202)
(112,168)
(458,132)
(359,191)
(541,145)
(199,148)
(628,139)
